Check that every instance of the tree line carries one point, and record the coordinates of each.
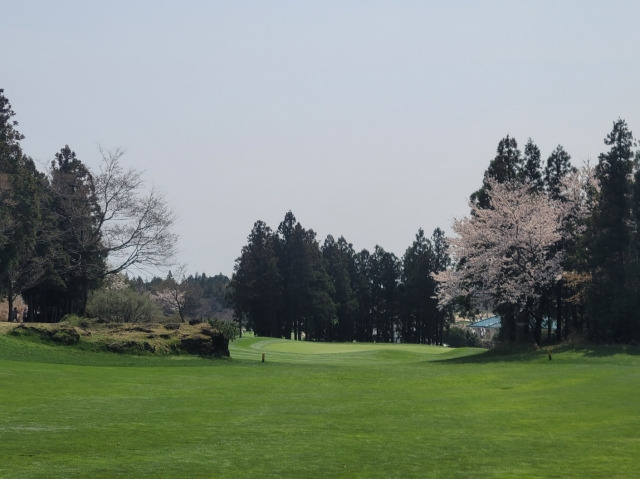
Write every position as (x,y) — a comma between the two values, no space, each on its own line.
(553,249)
(64,231)
(286,284)
(553,246)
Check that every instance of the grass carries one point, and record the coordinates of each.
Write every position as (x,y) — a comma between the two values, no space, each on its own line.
(319,410)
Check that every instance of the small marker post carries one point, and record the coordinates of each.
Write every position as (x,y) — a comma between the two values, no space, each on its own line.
(263,357)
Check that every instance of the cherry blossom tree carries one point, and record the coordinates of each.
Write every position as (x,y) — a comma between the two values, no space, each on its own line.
(507,256)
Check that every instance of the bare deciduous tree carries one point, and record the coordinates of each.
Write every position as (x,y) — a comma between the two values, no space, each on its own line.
(176,295)
(135,226)
(112,222)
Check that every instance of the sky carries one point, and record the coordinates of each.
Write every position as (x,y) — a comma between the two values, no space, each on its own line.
(366,119)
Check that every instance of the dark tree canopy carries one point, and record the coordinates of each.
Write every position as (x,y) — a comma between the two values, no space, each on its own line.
(504,168)
(63,232)
(557,168)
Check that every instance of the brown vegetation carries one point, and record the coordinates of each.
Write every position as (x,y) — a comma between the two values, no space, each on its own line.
(199,339)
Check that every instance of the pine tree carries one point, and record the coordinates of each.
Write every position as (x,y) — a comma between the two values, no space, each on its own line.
(611,305)
(506,167)
(307,287)
(557,168)
(340,259)
(256,286)
(385,271)
(19,205)
(78,215)
(419,307)
(531,173)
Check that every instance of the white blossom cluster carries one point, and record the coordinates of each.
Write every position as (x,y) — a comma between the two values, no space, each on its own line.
(511,252)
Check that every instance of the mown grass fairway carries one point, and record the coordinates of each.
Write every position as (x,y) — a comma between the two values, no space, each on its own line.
(319,410)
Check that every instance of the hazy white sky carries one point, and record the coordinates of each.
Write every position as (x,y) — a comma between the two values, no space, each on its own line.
(367,119)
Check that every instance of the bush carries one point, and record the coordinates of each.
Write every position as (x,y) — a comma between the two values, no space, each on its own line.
(122,305)
(473,341)
(458,338)
(229,329)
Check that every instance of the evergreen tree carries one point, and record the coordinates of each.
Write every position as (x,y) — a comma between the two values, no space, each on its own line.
(256,286)
(362,287)
(78,215)
(506,167)
(340,259)
(556,172)
(423,322)
(531,172)
(558,167)
(442,262)
(307,287)
(385,271)
(611,305)
(19,205)
(419,308)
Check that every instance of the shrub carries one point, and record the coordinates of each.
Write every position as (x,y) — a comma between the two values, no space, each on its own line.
(458,338)
(122,305)
(473,341)
(229,329)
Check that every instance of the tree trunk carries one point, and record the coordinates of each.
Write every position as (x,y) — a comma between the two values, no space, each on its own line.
(10,303)
(559,312)
(538,329)
(84,297)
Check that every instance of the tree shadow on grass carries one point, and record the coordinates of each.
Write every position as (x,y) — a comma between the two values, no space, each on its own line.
(600,351)
(495,356)
(523,354)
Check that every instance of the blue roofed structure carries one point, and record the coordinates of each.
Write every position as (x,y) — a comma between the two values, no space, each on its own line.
(492,322)
(487,328)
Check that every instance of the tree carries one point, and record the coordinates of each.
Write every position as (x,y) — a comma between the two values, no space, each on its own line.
(362,287)
(442,262)
(385,271)
(307,287)
(256,285)
(557,171)
(576,195)
(135,225)
(177,295)
(506,167)
(110,223)
(19,205)
(419,307)
(340,259)
(611,305)
(531,172)
(507,255)
(212,292)
(558,167)
(78,217)
(423,322)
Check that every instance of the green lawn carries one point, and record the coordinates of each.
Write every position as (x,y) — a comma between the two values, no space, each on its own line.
(319,410)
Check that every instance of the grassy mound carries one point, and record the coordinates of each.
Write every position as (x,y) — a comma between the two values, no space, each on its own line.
(200,339)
